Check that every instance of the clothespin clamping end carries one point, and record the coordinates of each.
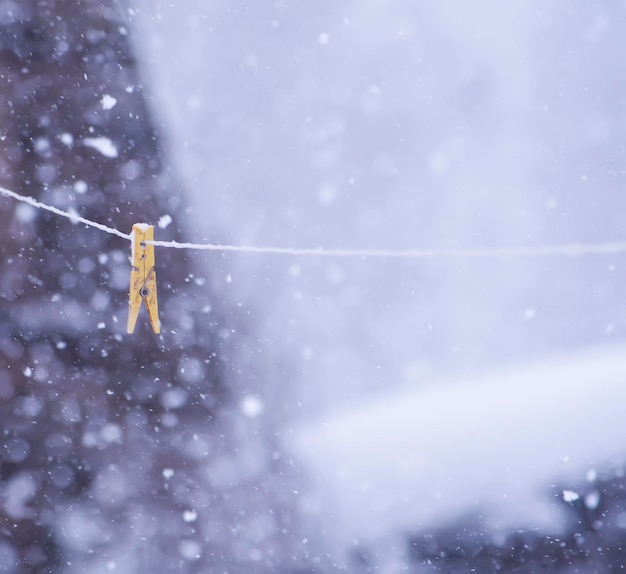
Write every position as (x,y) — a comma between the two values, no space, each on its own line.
(142,277)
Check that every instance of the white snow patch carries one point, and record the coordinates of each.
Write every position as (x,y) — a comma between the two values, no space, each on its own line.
(108,102)
(17,494)
(111,433)
(102,144)
(327,194)
(25,213)
(323,39)
(66,139)
(174,398)
(570,496)
(74,215)
(42,145)
(81,529)
(164,221)
(89,440)
(251,406)
(530,313)
(592,500)
(190,550)
(190,516)
(80,186)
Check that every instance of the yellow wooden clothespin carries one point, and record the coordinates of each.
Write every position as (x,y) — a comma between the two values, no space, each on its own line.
(142,277)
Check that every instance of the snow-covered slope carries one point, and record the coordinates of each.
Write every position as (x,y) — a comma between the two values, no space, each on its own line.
(497,446)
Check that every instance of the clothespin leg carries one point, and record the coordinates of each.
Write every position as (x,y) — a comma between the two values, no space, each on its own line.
(149,294)
(134,302)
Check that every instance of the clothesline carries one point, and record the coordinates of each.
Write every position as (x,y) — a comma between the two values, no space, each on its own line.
(71,216)
(543,250)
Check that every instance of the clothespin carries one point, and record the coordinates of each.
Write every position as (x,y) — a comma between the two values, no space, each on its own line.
(142,277)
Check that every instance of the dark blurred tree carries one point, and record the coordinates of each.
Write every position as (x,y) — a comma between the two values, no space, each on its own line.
(118,452)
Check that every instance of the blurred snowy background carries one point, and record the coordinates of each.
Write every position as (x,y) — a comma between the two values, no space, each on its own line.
(396,124)
(386,124)
(311,414)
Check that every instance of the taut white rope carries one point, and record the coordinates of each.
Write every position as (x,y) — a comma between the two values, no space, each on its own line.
(545,250)
(70,216)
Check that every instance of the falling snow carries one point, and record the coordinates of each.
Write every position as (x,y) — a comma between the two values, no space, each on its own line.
(103,145)
(251,406)
(164,221)
(303,414)
(108,102)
